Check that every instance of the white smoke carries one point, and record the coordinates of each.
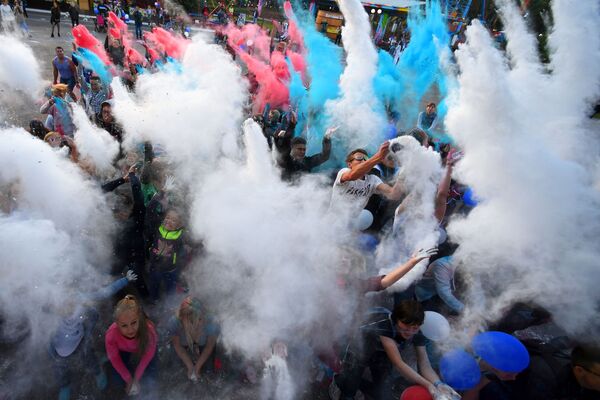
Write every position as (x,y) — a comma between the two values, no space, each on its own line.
(358,111)
(273,243)
(267,270)
(19,68)
(94,143)
(277,382)
(534,234)
(55,229)
(415,225)
(188,113)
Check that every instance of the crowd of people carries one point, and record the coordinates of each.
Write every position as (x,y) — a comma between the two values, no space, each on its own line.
(153,252)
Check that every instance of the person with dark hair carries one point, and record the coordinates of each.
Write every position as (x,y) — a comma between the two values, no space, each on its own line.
(428,119)
(585,364)
(66,69)
(37,129)
(354,185)
(292,151)
(550,375)
(105,120)
(55,18)
(129,247)
(93,94)
(377,346)
(74,14)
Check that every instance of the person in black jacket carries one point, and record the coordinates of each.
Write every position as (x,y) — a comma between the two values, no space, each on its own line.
(55,18)
(129,249)
(292,154)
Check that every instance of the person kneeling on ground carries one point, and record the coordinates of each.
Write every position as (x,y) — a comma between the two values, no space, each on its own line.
(194,337)
(378,347)
(131,348)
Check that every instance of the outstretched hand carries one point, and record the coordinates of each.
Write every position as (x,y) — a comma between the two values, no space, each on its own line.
(330,131)
(422,254)
(384,149)
(169,183)
(131,276)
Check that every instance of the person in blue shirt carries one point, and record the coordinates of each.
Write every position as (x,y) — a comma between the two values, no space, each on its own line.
(194,336)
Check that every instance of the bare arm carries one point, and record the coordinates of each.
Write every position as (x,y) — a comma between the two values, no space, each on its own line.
(206,352)
(363,168)
(402,270)
(391,350)
(182,353)
(55,73)
(425,366)
(45,108)
(441,197)
(391,192)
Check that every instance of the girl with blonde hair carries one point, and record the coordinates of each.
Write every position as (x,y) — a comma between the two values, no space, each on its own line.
(194,336)
(131,343)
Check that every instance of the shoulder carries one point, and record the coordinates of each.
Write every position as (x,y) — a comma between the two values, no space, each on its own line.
(374,179)
(419,340)
(112,332)
(338,178)
(151,329)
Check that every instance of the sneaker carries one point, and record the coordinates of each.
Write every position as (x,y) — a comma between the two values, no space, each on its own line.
(101,380)
(334,391)
(64,393)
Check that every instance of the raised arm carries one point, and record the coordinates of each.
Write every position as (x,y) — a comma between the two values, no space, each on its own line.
(363,168)
(441,197)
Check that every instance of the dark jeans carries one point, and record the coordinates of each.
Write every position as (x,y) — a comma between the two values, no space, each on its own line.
(350,380)
(83,359)
(138,31)
(148,382)
(57,24)
(157,278)
(68,81)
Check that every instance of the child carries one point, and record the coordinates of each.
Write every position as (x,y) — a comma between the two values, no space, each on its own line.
(131,348)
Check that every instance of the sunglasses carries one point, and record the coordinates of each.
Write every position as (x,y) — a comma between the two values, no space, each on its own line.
(360,158)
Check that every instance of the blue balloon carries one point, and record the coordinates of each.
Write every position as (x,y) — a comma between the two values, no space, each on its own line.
(460,370)
(367,242)
(502,351)
(469,198)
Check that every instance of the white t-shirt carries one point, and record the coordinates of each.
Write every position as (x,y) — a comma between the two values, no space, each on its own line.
(356,193)
(7,13)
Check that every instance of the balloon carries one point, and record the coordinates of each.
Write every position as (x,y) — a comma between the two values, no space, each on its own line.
(435,327)
(416,393)
(501,350)
(367,242)
(459,369)
(469,198)
(364,220)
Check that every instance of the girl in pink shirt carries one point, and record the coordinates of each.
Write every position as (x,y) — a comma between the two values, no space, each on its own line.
(131,345)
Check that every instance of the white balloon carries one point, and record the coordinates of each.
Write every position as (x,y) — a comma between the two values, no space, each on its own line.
(364,220)
(435,327)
